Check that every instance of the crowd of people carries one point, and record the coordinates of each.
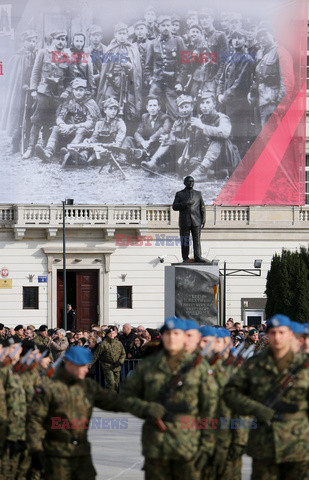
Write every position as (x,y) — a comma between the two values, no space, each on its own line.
(196,88)
(181,382)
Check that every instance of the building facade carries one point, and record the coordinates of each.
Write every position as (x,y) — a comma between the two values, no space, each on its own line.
(116,257)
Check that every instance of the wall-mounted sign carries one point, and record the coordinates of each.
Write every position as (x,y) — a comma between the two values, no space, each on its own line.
(42,279)
(6,283)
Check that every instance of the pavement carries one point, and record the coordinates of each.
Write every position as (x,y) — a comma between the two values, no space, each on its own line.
(116,447)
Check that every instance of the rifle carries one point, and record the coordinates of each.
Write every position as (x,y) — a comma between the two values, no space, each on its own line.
(123,92)
(37,361)
(240,360)
(50,372)
(10,357)
(23,124)
(21,362)
(234,355)
(29,361)
(285,383)
(177,382)
(218,355)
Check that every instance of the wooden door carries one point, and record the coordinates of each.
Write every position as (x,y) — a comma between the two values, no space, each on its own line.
(87,298)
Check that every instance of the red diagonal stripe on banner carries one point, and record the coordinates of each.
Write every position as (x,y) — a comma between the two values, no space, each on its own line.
(264,170)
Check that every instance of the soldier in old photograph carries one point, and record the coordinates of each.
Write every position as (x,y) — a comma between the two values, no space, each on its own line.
(216,42)
(233,88)
(165,74)
(150,17)
(96,51)
(180,145)
(213,131)
(75,120)
(16,112)
(79,61)
(48,82)
(122,77)
(108,132)
(268,88)
(153,130)
(195,56)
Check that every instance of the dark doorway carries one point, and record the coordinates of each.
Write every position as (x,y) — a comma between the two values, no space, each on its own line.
(82,294)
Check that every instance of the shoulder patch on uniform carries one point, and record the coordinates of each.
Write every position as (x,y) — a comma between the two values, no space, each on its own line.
(210,372)
(38,390)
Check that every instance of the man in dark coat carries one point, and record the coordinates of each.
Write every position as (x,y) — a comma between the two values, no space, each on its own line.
(71,318)
(17,86)
(191,209)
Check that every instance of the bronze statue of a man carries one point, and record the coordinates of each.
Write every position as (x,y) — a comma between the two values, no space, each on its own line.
(191,208)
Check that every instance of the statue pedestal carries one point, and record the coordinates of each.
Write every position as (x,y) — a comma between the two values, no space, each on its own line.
(191,291)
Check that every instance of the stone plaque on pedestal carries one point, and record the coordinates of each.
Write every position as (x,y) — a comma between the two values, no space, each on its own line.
(191,291)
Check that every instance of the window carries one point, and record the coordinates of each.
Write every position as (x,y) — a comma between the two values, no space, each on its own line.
(124,297)
(31,298)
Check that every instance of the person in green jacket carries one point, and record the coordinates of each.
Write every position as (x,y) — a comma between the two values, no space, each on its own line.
(181,451)
(59,416)
(111,355)
(279,445)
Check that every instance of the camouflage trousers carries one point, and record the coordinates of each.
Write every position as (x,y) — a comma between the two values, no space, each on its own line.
(111,378)
(157,468)
(9,465)
(269,470)
(232,471)
(72,468)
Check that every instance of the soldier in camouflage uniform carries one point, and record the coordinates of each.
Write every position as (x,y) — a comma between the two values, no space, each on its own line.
(253,339)
(111,354)
(279,445)
(59,416)
(230,442)
(15,440)
(32,379)
(42,337)
(181,452)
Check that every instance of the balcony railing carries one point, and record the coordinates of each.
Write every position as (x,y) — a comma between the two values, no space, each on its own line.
(151,216)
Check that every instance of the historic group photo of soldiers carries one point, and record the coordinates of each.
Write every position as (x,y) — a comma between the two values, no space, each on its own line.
(147,98)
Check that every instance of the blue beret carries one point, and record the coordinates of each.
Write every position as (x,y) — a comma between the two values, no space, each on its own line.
(191,325)
(297,327)
(223,332)
(79,355)
(306,328)
(173,323)
(208,331)
(278,321)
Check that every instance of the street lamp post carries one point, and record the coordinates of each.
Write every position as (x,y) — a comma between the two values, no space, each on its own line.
(67,201)
(237,272)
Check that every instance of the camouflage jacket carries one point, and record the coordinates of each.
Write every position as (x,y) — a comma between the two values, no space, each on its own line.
(188,431)
(15,404)
(59,414)
(231,429)
(40,340)
(249,342)
(246,392)
(111,354)
(31,380)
